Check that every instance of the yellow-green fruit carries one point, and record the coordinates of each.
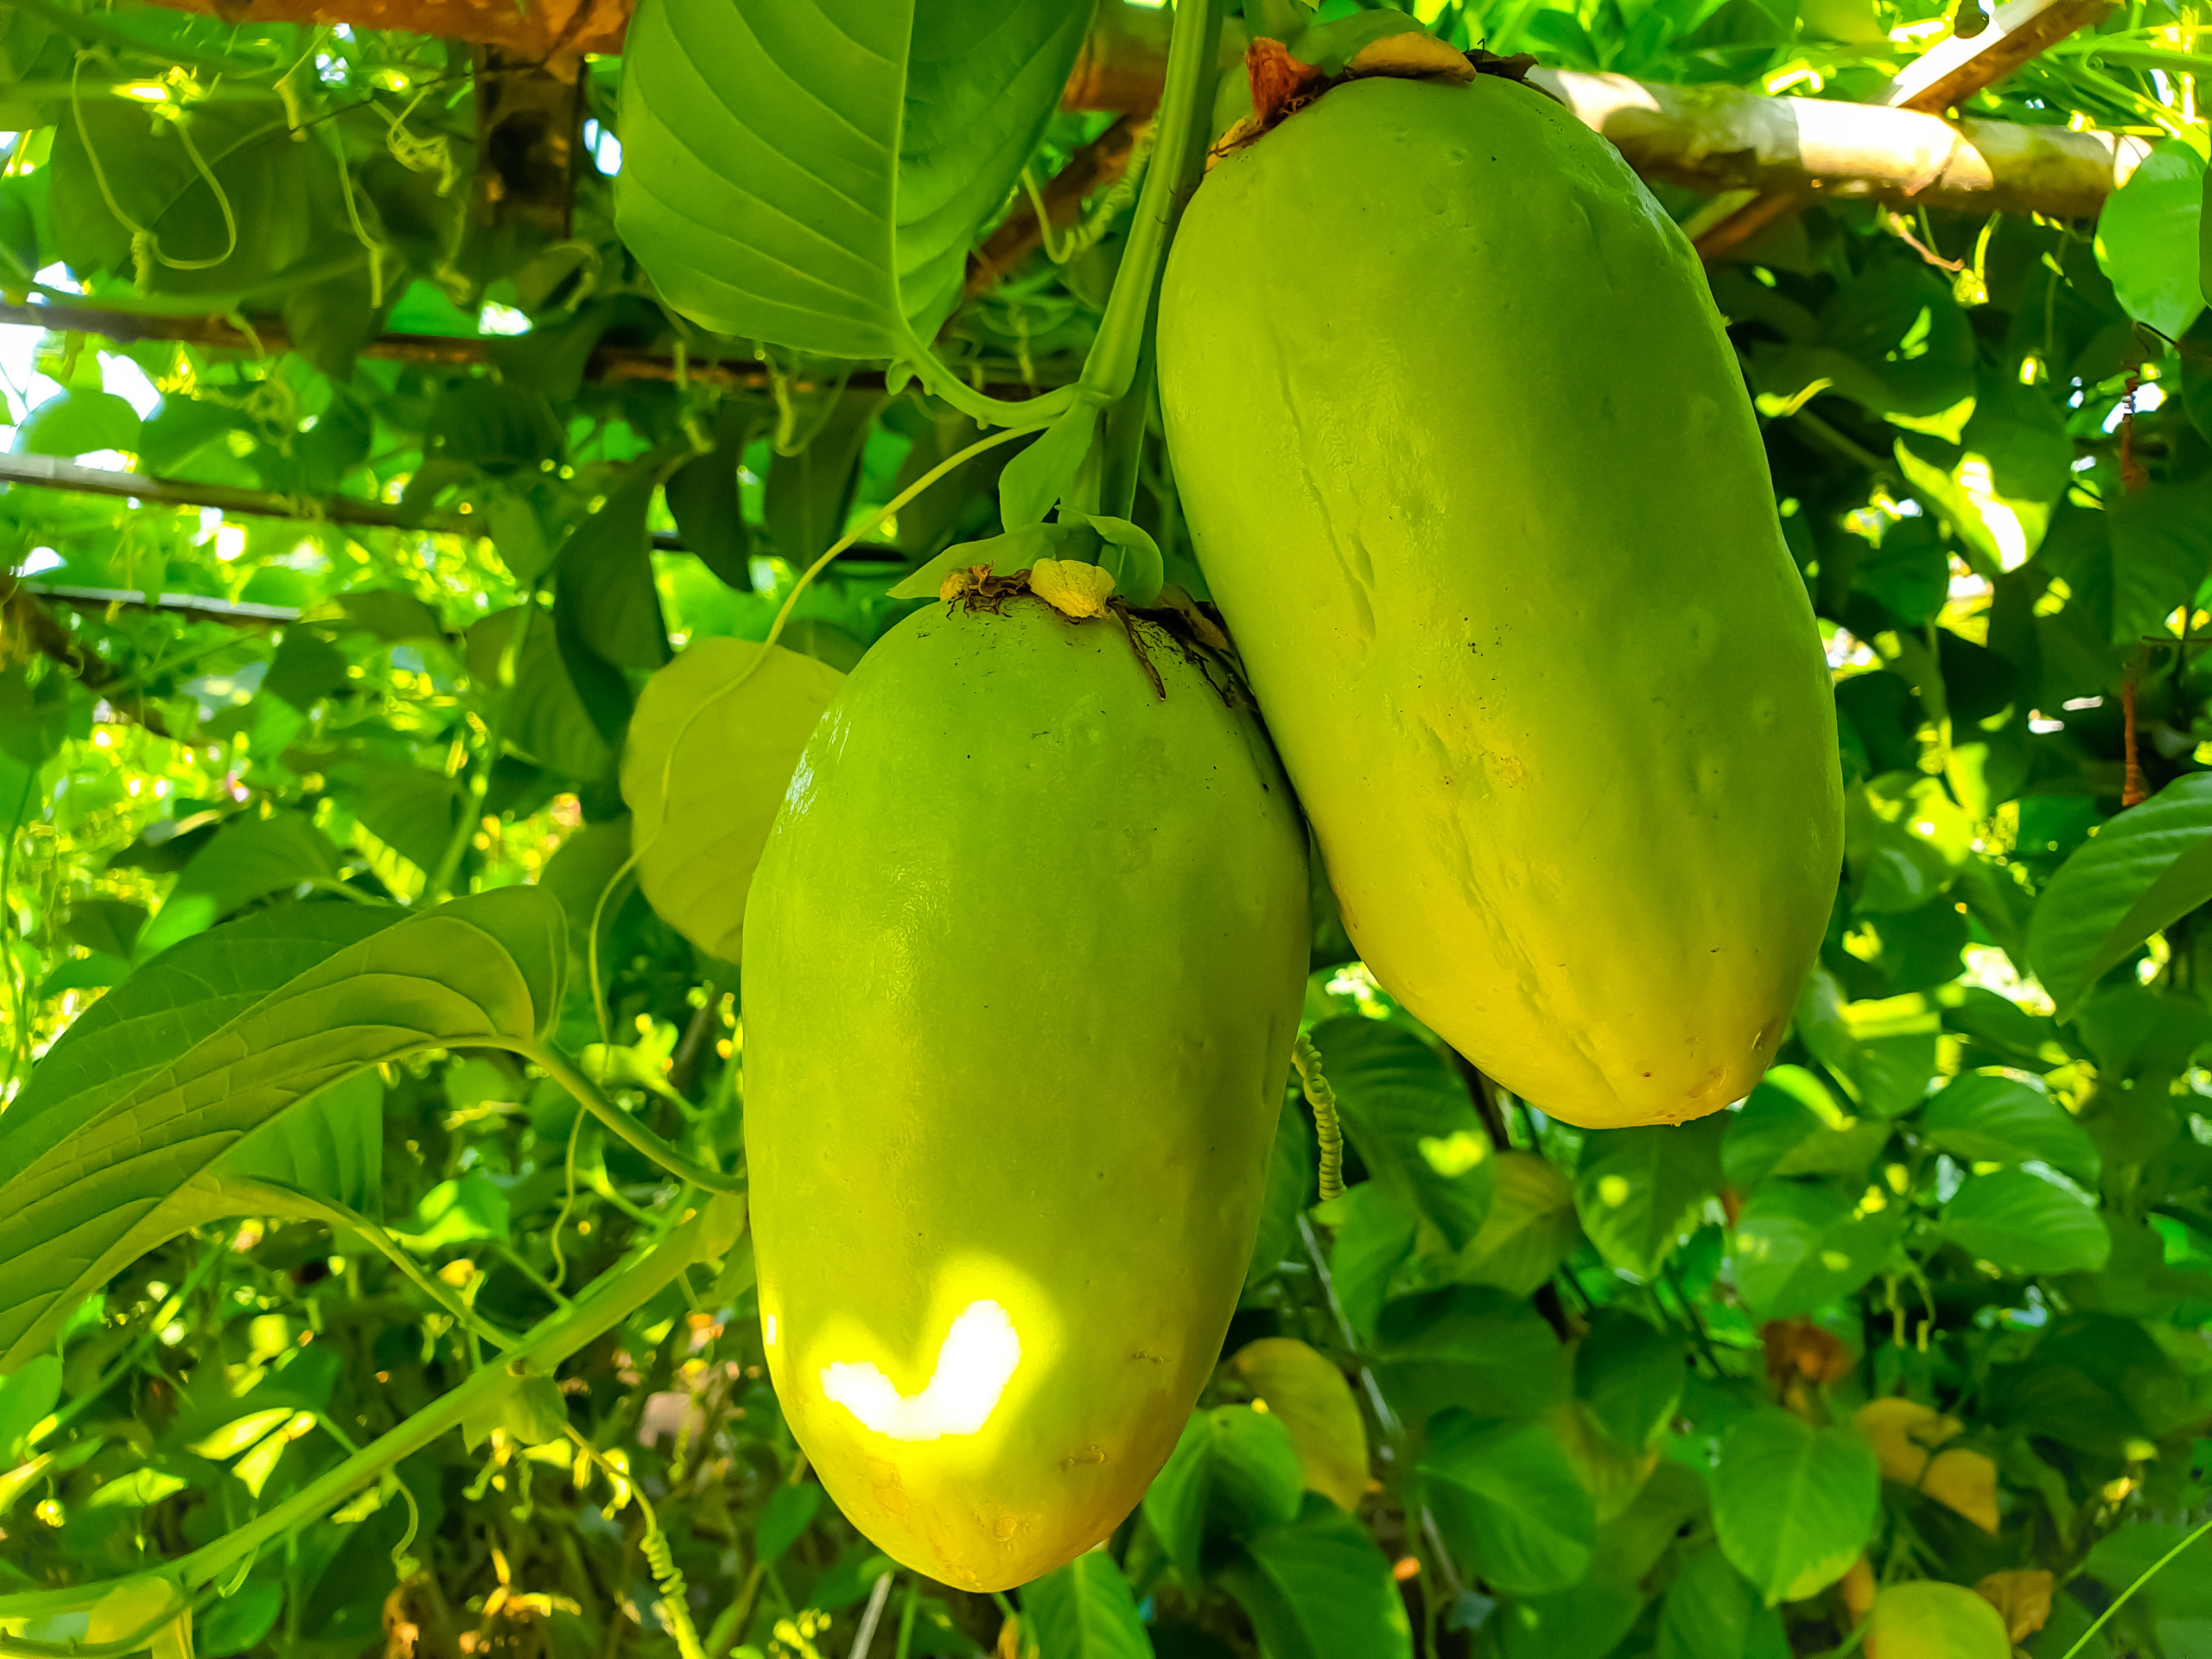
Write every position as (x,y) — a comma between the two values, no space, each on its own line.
(1023,963)
(1469,469)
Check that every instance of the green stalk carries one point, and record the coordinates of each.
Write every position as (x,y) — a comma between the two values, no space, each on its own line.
(708,1232)
(2120,1601)
(1185,113)
(588,1095)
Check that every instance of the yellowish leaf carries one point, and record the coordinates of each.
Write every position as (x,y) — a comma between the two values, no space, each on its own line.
(1926,1619)
(1314,1401)
(1904,1434)
(1966,1481)
(711,750)
(2022,1598)
(1071,586)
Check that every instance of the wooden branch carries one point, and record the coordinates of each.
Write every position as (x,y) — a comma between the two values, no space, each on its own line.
(23,620)
(1722,138)
(46,472)
(1943,78)
(544,30)
(1099,165)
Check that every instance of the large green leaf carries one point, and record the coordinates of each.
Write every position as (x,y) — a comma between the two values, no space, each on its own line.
(1794,1505)
(330,1145)
(1318,1588)
(1929,1619)
(249,858)
(1989,1117)
(1637,1186)
(1410,1121)
(1509,1503)
(2025,1223)
(118,1143)
(604,577)
(1529,1230)
(1791,1125)
(810,173)
(77,422)
(1305,1392)
(2148,237)
(712,747)
(1629,1374)
(1801,1243)
(2145,870)
(1233,1473)
(1479,1348)
(1084,1611)
(1711,1612)
(1375,1230)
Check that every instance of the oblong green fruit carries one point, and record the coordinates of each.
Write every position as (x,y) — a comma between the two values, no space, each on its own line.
(1469,469)
(1023,963)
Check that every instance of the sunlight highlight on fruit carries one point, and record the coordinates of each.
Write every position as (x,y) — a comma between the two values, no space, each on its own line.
(974,1365)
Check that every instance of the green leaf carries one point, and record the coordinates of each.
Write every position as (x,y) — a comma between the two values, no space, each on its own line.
(1711,1612)
(1304,1391)
(704,500)
(412,810)
(27,1399)
(242,1622)
(1629,1375)
(1794,1505)
(2161,553)
(1637,1188)
(546,718)
(1989,1117)
(1926,1619)
(115,1144)
(1290,1184)
(2143,870)
(330,1145)
(250,858)
(810,173)
(1044,470)
(713,745)
(1483,1350)
(1319,1589)
(1084,1610)
(603,576)
(460,1212)
(1529,1230)
(1791,1126)
(1881,1053)
(1375,1233)
(2025,1223)
(1409,1119)
(108,925)
(1509,1503)
(807,496)
(1233,1472)
(78,423)
(788,1513)
(2149,239)
(1799,1244)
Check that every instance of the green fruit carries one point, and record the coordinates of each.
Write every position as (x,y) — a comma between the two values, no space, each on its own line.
(1469,469)
(1023,963)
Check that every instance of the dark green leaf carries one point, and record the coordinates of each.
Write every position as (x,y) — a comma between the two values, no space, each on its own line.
(808,495)
(2149,238)
(1711,1613)
(1290,1189)
(1637,1188)
(1319,1589)
(1509,1503)
(1799,1244)
(1084,1611)
(1629,1375)
(250,858)
(1528,1232)
(811,175)
(1375,1233)
(2144,870)
(603,577)
(1483,1349)
(790,1510)
(1794,1505)
(2025,1223)
(1987,1117)
(1233,1473)
(1792,1126)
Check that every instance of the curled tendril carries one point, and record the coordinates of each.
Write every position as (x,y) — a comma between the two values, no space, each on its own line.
(1323,1100)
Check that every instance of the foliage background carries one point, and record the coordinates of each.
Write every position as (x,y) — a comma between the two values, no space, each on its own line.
(1928,1309)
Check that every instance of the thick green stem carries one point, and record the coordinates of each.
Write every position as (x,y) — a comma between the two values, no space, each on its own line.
(1184,111)
(708,1232)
